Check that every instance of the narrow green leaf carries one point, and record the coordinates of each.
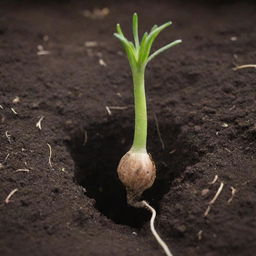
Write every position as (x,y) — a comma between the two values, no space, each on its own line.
(122,39)
(150,40)
(153,28)
(162,49)
(133,48)
(129,49)
(119,30)
(142,45)
(135,30)
(156,29)
(144,38)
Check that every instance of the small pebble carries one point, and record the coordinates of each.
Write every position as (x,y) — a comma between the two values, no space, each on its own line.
(233,38)
(181,228)
(225,125)
(205,191)
(16,99)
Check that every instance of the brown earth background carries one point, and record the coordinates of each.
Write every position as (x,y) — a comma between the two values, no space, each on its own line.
(204,111)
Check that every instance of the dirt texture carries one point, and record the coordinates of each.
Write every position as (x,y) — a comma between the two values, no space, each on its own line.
(201,124)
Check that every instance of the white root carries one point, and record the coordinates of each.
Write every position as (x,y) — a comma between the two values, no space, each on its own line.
(14,111)
(108,108)
(229,151)
(90,44)
(50,155)
(39,123)
(158,132)
(214,199)
(22,170)
(214,180)
(102,63)
(233,191)
(152,228)
(207,210)
(8,136)
(118,107)
(217,194)
(6,158)
(41,51)
(200,235)
(172,151)
(244,66)
(8,198)
(232,108)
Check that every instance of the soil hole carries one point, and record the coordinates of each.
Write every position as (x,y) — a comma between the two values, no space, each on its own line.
(96,161)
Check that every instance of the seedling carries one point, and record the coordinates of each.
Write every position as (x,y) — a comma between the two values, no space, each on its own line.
(136,168)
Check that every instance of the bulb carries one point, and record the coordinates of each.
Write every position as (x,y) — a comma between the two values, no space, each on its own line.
(137,171)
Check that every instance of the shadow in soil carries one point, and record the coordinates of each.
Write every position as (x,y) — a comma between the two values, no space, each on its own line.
(97,157)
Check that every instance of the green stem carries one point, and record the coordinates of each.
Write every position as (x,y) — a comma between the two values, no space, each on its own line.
(140,131)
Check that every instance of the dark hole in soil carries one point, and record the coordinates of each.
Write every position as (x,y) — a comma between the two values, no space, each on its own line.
(97,160)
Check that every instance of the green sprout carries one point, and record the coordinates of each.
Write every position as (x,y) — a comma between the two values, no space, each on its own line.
(136,168)
(138,54)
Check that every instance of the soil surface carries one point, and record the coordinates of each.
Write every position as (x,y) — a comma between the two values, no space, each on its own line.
(67,199)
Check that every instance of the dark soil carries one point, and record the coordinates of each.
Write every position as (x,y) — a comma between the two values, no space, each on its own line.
(205,112)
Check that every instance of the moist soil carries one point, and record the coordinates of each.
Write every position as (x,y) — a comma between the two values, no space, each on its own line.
(201,124)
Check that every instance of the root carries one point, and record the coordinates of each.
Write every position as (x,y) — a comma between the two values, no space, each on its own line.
(229,151)
(214,180)
(14,111)
(200,235)
(233,191)
(8,198)
(214,199)
(50,155)
(172,151)
(91,44)
(42,51)
(244,66)
(108,108)
(152,227)
(119,107)
(6,158)
(22,170)
(8,136)
(39,123)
